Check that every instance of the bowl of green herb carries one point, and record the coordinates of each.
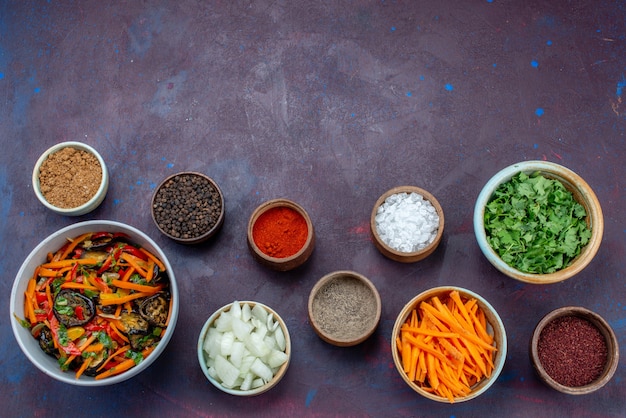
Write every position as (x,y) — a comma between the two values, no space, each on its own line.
(538,222)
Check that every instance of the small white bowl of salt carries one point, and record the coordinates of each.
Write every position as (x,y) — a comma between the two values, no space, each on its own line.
(407,224)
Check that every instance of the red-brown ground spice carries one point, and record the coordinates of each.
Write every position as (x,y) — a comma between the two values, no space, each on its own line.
(572,351)
(280,232)
(70,177)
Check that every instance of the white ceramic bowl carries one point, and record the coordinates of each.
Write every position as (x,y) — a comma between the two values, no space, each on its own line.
(30,346)
(582,193)
(202,357)
(87,207)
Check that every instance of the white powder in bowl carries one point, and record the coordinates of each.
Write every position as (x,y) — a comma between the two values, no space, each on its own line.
(407,222)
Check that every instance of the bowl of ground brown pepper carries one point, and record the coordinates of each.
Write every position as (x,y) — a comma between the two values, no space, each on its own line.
(188,207)
(70,178)
(344,308)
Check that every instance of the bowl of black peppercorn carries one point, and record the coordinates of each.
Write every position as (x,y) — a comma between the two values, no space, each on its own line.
(188,207)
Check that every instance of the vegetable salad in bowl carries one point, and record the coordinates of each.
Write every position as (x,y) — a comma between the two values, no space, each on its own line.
(100,307)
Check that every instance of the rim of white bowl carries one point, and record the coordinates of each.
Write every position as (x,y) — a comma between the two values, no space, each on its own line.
(86,207)
(23,335)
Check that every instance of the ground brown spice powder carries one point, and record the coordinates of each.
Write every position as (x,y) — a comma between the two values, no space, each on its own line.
(70,177)
(344,308)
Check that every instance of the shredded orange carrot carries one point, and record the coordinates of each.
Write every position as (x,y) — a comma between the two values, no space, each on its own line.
(87,342)
(154,258)
(70,247)
(149,271)
(46,272)
(83,367)
(134,286)
(115,299)
(59,264)
(128,274)
(138,264)
(49,295)
(415,352)
(124,365)
(111,357)
(445,346)
(118,332)
(94,348)
(74,285)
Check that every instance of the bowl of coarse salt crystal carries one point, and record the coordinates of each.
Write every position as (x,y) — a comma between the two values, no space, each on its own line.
(407,224)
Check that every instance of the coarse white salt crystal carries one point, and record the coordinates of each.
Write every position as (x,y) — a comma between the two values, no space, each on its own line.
(407,222)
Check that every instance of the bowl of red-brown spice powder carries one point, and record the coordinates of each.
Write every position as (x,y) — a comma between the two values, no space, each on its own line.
(70,178)
(280,234)
(574,350)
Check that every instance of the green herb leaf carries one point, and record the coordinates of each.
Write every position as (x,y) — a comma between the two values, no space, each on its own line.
(61,362)
(62,336)
(535,224)
(105,339)
(24,323)
(136,356)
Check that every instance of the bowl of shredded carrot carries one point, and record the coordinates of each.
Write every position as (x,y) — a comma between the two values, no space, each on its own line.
(94,304)
(449,344)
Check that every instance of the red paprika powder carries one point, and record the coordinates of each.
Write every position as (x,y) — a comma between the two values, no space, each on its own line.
(280,232)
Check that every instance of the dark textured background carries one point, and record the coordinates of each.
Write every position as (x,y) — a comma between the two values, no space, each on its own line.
(328,103)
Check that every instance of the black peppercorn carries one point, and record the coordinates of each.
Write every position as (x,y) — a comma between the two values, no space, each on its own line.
(187,206)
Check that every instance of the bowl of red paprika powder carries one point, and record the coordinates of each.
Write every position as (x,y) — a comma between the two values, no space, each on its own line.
(574,350)
(280,234)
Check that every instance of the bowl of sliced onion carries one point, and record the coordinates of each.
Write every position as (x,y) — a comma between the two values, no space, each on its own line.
(244,348)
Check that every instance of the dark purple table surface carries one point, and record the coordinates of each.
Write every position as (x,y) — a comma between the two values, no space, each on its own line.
(328,103)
